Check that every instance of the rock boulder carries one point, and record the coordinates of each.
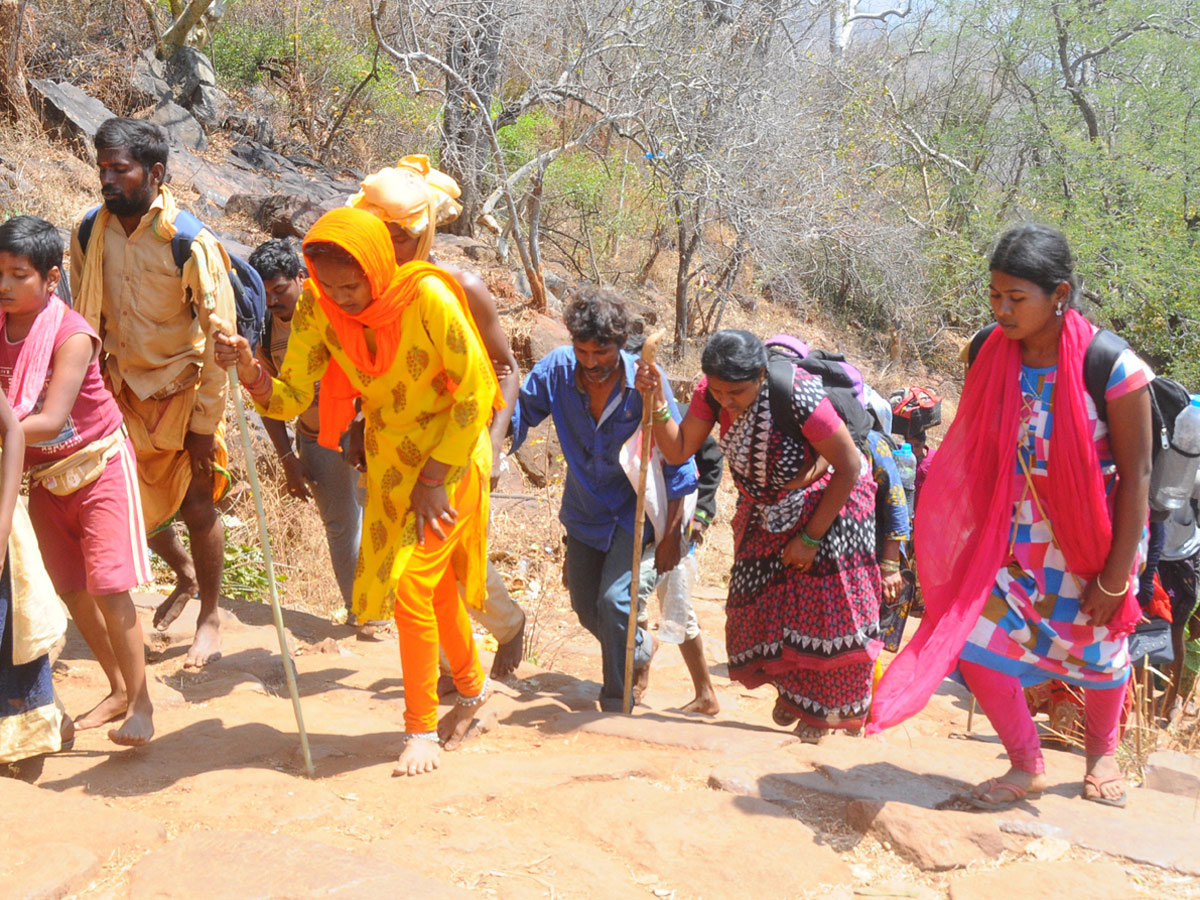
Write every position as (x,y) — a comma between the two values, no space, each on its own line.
(932,840)
(181,126)
(69,114)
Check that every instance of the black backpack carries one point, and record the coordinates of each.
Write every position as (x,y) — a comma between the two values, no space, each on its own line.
(249,294)
(1167,396)
(839,385)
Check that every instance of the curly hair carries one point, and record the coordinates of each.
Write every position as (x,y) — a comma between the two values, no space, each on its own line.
(277,257)
(597,314)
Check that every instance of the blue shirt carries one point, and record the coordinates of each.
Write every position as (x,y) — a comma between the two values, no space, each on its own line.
(597,496)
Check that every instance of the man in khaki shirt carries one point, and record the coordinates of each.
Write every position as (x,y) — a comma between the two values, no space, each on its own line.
(154,324)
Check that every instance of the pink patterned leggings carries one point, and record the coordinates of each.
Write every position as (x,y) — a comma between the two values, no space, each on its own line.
(1002,700)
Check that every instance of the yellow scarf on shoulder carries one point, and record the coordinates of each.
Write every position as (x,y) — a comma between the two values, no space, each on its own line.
(90,297)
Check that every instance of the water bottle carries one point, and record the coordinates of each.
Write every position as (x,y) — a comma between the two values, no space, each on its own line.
(906,462)
(675,597)
(1174,473)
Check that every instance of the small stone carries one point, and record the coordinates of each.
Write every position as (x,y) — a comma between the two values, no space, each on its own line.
(1047,849)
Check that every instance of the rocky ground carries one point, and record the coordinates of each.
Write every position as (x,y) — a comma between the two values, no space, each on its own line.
(551,798)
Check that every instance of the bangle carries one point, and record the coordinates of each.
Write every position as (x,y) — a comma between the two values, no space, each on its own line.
(662,414)
(889,565)
(425,481)
(808,541)
(263,380)
(1121,593)
(290,452)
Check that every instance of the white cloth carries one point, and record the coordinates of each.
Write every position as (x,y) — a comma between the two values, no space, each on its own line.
(656,484)
(39,617)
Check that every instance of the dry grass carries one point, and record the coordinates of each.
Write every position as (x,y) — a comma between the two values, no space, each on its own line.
(301,554)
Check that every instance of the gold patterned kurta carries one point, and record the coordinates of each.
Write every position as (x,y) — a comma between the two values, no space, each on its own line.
(434,401)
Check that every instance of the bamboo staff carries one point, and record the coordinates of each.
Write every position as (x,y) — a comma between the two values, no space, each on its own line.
(289,668)
(649,351)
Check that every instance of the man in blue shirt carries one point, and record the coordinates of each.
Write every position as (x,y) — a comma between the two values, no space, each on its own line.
(588,390)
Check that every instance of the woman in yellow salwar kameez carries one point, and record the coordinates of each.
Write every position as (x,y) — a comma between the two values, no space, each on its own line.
(398,340)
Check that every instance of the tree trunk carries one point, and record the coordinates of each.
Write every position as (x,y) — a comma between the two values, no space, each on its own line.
(14,101)
(474,53)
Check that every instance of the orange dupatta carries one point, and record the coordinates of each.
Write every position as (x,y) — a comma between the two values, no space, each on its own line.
(393,287)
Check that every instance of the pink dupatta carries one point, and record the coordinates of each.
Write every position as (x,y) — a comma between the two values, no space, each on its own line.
(29,374)
(966,511)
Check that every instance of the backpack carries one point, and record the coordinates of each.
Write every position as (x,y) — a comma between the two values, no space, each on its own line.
(249,294)
(843,385)
(1167,396)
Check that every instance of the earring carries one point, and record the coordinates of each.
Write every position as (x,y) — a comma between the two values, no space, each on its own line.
(1058,310)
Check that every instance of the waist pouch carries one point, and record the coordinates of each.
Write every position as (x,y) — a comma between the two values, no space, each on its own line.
(81,468)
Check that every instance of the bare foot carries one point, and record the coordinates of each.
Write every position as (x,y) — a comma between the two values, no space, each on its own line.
(641,675)
(107,710)
(993,790)
(418,757)
(206,645)
(445,687)
(705,703)
(171,608)
(508,654)
(1104,782)
(135,731)
(454,726)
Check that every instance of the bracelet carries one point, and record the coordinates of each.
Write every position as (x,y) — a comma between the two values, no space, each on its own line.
(431,736)
(426,481)
(460,700)
(283,456)
(263,380)
(1105,590)
(889,565)
(809,541)
(662,414)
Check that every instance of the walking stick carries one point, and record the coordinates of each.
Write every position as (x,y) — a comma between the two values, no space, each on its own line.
(649,351)
(289,668)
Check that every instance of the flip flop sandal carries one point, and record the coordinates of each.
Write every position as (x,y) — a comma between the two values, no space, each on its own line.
(1098,784)
(810,734)
(995,784)
(782,717)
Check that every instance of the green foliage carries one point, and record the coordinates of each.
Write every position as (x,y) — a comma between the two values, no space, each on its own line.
(240,51)
(531,134)
(246,573)
(1122,186)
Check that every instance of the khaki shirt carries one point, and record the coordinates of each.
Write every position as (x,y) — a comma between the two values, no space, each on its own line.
(154,322)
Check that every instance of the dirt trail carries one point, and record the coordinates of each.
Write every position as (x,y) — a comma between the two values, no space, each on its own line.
(552,799)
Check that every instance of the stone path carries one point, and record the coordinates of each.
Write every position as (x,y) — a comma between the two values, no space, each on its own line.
(552,799)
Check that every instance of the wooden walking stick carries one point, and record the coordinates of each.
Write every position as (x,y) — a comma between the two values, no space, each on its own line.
(289,668)
(649,351)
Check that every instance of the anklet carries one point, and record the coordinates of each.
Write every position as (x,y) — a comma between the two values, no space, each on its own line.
(431,736)
(477,699)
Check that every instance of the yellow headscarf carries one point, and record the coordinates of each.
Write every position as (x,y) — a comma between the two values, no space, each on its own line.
(413,195)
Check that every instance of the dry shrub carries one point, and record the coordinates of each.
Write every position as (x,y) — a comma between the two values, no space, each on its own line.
(45,178)
(297,534)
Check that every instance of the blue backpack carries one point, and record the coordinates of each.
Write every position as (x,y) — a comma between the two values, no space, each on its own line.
(249,295)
